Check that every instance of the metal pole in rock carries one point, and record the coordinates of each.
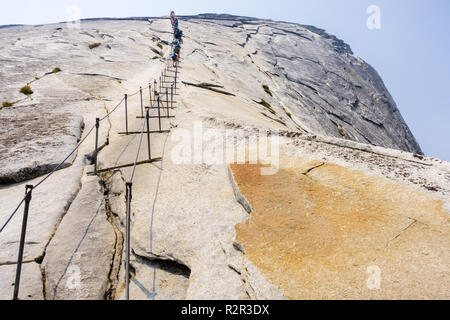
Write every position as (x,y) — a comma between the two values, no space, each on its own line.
(176,75)
(142,103)
(159,114)
(28,192)
(129,186)
(97,126)
(126,113)
(147,117)
(167,101)
(150,93)
(171,95)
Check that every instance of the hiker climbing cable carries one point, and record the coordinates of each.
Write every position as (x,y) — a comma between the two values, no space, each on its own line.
(179,35)
(175,43)
(177,48)
(178,39)
(174,59)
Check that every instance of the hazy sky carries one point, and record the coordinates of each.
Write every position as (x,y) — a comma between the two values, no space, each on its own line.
(410,51)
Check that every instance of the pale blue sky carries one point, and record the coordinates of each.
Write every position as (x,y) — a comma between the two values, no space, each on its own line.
(411,51)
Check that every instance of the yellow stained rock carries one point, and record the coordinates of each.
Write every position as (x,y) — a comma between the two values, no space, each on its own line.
(320,234)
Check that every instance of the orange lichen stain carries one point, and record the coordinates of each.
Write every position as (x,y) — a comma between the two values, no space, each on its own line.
(313,234)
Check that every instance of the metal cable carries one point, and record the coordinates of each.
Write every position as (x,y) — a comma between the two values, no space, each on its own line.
(77,248)
(139,151)
(126,147)
(48,176)
(109,113)
(75,149)
(133,94)
(12,215)
(130,95)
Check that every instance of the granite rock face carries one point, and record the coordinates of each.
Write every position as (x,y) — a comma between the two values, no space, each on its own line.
(34,143)
(84,236)
(345,198)
(316,234)
(314,77)
(313,81)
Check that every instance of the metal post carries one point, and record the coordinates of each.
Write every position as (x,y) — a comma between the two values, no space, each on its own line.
(160,84)
(176,75)
(97,126)
(142,103)
(159,114)
(129,186)
(150,93)
(167,101)
(28,191)
(155,86)
(126,113)
(148,134)
(171,95)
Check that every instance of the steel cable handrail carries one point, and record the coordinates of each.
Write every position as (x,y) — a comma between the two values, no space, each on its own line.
(12,215)
(47,176)
(139,150)
(114,109)
(72,152)
(29,188)
(133,94)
